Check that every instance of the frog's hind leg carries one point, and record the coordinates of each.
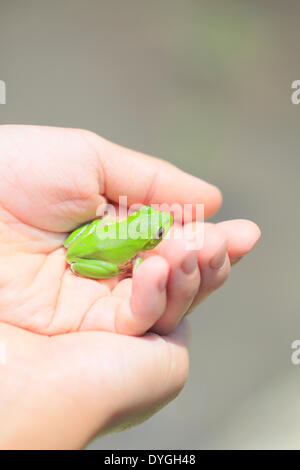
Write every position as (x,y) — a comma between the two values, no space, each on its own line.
(95,269)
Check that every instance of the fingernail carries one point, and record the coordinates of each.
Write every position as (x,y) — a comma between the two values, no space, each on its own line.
(235,260)
(218,261)
(189,264)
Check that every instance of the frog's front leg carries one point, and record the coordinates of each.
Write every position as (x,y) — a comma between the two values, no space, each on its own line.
(95,269)
(137,263)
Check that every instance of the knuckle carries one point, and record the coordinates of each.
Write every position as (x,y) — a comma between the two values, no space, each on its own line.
(189,290)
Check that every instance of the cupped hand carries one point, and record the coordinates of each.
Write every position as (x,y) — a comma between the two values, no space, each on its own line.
(56,179)
(74,368)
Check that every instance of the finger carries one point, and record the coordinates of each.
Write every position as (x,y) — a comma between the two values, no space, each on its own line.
(135,304)
(146,179)
(137,314)
(183,284)
(74,168)
(213,262)
(224,244)
(242,236)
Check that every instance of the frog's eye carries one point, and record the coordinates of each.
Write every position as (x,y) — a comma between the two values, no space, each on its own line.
(160,233)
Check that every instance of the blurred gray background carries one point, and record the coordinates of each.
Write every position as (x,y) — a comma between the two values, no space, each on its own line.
(207,86)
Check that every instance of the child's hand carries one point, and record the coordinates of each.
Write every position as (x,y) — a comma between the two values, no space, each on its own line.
(60,391)
(55,179)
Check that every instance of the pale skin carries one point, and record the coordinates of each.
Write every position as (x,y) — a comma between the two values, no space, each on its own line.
(88,357)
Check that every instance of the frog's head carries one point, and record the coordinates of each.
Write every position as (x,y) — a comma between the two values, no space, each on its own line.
(154,226)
